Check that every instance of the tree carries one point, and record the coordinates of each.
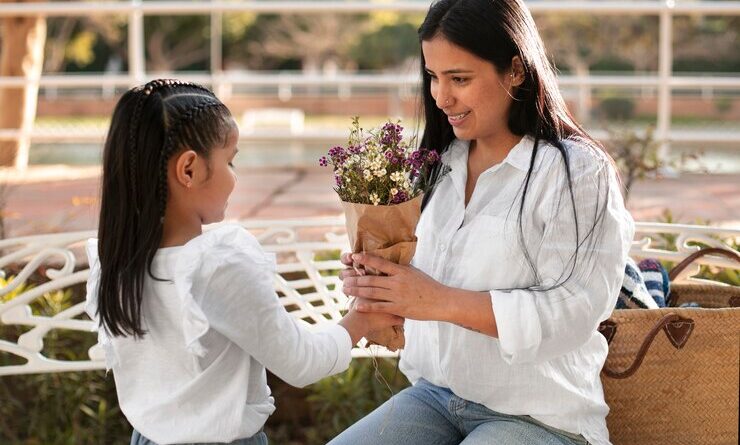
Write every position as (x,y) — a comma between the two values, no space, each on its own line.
(389,41)
(581,41)
(706,43)
(21,55)
(319,41)
(84,43)
(179,42)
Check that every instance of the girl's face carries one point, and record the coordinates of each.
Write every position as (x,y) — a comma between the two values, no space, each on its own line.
(468,89)
(212,194)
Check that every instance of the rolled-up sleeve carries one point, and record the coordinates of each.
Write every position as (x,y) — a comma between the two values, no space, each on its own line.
(243,306)
(575,291)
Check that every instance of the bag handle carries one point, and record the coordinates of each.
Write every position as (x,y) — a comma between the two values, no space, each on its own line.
(731,254)
(677,329)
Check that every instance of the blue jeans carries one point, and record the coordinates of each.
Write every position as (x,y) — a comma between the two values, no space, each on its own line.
(258,439)
(425,414)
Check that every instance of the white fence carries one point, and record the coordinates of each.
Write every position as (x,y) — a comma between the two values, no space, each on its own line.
(664,82)
(305,280)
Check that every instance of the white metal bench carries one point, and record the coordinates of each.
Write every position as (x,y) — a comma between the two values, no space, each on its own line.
(306,279)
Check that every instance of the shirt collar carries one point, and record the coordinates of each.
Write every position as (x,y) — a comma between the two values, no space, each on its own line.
(519,156)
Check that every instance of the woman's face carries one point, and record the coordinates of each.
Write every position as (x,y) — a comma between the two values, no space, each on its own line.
(468,89)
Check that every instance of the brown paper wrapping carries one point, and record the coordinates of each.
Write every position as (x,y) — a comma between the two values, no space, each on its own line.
(388,232)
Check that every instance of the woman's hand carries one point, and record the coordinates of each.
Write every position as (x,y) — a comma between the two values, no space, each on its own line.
(404,291)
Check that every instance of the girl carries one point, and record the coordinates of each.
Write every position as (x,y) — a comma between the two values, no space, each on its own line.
(521,250)
(189,320)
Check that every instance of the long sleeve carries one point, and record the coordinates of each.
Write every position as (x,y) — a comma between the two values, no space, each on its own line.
(576,291)
(233,294)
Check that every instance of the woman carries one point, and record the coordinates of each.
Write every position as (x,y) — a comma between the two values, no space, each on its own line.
(521,250)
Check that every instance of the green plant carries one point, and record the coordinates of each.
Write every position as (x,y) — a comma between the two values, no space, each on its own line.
(58,408)
(723,104)
(667,241)
(617,108)
(344,399)
(323,410)
(636,156)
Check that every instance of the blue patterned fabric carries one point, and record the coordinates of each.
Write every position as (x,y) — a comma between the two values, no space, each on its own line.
(634,293)
(645,286)
(656,280)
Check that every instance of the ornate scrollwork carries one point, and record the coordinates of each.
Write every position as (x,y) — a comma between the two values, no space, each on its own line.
(307,284)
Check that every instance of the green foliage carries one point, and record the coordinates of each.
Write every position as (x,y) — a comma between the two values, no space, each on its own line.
(667,241)
(706,64)
(617,108)
(723,104)
(339,401)
(79,408)
(612,64)
(60,409)
(386,47)
(636,156)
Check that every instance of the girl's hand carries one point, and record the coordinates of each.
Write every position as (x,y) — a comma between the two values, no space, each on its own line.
(360,324)
(404,291)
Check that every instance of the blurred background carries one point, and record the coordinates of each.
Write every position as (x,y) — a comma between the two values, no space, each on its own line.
(657,81)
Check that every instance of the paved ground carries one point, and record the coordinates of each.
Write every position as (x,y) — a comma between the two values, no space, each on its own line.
(54,199)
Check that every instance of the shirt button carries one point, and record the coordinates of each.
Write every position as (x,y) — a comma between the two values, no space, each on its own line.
(442,247)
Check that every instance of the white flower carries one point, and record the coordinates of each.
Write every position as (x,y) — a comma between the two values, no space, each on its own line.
(394,191)
(380,172)
(374,199)
(367,174)
(397,177)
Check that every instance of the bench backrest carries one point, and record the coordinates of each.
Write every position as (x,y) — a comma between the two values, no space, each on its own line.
(306,282)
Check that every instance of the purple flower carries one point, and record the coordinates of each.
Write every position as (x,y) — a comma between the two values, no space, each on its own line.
(323,161)
(399,198)
(432,156)
(391,134)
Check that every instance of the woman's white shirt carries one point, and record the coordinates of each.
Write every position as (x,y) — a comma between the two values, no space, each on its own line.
(212,327)
(548,356)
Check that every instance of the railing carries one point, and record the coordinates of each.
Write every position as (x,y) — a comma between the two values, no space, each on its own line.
(665,81)
(306,281)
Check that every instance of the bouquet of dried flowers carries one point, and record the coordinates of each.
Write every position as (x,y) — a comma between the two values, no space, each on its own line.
(380,178)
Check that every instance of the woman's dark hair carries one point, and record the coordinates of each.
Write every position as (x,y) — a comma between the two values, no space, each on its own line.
(150,124)
(497,31)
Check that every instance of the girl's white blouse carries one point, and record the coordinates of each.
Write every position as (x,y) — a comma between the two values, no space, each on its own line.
(548,356)
(212,327)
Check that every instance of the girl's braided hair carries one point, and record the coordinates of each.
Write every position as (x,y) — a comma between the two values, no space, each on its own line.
(150,124)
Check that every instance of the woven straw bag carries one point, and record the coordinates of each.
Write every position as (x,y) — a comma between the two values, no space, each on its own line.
(671,376)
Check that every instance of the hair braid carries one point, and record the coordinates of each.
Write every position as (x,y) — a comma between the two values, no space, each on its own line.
(170,145)
(144,93)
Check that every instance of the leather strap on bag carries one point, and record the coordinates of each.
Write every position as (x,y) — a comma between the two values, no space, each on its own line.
(677,329)
(731,254)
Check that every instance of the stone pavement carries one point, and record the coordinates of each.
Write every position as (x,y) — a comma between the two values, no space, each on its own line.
(56,199)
